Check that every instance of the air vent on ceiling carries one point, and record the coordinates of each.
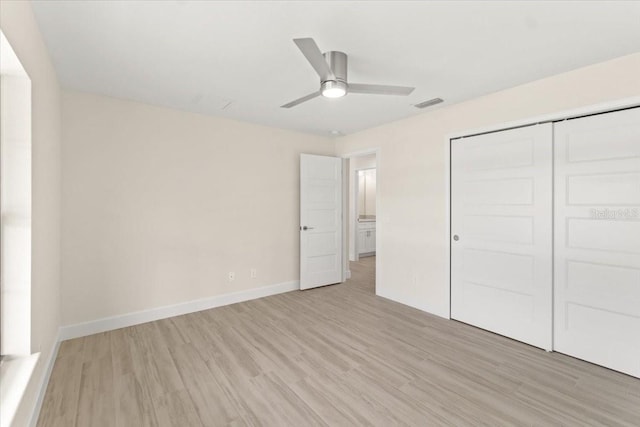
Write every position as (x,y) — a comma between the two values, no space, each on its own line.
(429,103)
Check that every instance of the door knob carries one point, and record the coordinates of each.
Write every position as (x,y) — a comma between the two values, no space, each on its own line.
(307,228)
(455,237)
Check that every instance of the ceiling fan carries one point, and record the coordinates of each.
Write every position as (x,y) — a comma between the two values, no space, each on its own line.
(332,69)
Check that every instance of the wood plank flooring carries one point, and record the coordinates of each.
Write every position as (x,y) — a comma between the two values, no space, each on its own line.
(336,356)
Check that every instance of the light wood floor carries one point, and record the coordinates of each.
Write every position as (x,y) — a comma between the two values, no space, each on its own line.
(336,356)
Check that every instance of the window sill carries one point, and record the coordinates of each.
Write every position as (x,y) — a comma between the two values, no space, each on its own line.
(15,373)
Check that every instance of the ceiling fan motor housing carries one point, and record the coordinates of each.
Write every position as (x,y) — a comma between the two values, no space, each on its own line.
(338,63)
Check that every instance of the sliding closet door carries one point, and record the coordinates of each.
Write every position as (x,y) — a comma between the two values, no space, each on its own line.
(501,226)
(597,239)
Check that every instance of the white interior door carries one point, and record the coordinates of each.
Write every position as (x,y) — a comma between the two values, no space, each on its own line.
(501,225)
(320,221)
(597,239)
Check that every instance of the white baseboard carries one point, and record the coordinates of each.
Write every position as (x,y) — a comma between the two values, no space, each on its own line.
(44,382)
(136,318)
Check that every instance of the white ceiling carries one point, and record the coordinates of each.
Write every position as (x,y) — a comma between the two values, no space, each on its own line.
(237,59)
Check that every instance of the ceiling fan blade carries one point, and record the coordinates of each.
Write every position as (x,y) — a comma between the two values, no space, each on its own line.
(311,51)
(301,100)
(380,89)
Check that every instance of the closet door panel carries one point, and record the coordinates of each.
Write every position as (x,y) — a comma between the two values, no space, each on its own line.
(501,212)
(597,239)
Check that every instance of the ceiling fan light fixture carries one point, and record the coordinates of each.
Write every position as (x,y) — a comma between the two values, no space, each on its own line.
(333,89)
(331,67)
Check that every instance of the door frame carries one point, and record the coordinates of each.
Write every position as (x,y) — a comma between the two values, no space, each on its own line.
(575,113)
(346,206)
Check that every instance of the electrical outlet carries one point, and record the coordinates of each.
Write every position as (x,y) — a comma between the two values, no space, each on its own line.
(232,276)
(254,273)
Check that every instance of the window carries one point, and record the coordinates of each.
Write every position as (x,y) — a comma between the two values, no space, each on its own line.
(15,204)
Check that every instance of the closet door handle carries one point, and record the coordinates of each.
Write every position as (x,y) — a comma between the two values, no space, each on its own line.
(455,237)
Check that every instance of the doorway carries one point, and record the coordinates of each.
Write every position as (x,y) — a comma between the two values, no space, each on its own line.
(362,208)
(365,213)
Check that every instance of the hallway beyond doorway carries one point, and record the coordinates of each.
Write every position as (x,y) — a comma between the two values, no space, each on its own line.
(363,274)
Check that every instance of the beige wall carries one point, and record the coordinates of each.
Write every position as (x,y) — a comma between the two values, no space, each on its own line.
(159,205)
(19,26)
(411,219)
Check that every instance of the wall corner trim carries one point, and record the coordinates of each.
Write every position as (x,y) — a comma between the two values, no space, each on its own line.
(129,319)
